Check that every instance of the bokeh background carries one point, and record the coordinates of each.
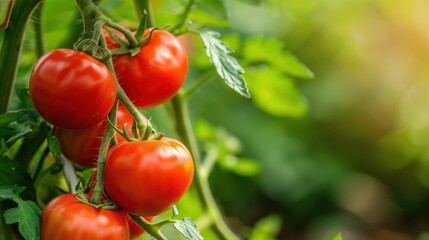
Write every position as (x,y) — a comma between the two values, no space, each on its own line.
(358,161)
(348,154)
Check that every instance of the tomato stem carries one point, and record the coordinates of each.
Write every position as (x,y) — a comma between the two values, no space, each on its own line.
(209,161)
(143,126)
(101,159)
(182,17)
(38,28)
(133,43)
(196,85)
(91,14)
(11,46)
(142,26)
(101,162)
(148,227)
(143,8)
(185,131)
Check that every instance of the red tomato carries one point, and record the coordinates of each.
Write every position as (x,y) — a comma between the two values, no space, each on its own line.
(135,229)
(71,89)
(66,218)
(155,74)
(81,146)
(147,177)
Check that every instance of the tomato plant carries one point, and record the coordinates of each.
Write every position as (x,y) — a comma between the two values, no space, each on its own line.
(72,90)
(67,218)
(71,96)
(148,177)
(82,146)
(156,73)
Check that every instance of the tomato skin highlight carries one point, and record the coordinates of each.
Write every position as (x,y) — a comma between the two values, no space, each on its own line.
(148,177)
(71,89)
(156,73)
(66,218)
(82,146)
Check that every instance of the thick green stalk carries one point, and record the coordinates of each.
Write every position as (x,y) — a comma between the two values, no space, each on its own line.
(148,227)
(203,79)
(101,162)
(143,7)
(182,18)
(185,131)
(91,14)
(142,125)
(11,48)
(38,28)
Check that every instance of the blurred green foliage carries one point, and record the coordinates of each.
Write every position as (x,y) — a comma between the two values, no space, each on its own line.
(346,151)
(357,162)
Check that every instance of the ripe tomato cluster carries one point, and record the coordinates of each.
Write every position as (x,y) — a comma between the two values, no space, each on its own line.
(75,92)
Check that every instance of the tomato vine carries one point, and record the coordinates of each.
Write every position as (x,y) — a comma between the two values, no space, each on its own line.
(93,46)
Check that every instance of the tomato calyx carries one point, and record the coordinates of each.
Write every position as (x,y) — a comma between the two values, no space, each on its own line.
(148,132)
(143,42)
(91,47)
(104,204)
(127,47)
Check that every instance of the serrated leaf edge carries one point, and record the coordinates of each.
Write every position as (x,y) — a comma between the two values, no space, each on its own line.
(233,70)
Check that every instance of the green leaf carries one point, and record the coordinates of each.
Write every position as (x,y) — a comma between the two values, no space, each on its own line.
(188,229)
(270,224)
(85,177)
(8,175)
(11,175)
(27,214)
(271,51)
(338,237)
(3,147)
(53,144)
(226,66)
(24,96)
(275,93)
(246,167)
(13,131)
(266,228)
(12,116)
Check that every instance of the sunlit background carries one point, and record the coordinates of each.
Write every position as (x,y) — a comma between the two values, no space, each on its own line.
(349,151)
(358,162)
